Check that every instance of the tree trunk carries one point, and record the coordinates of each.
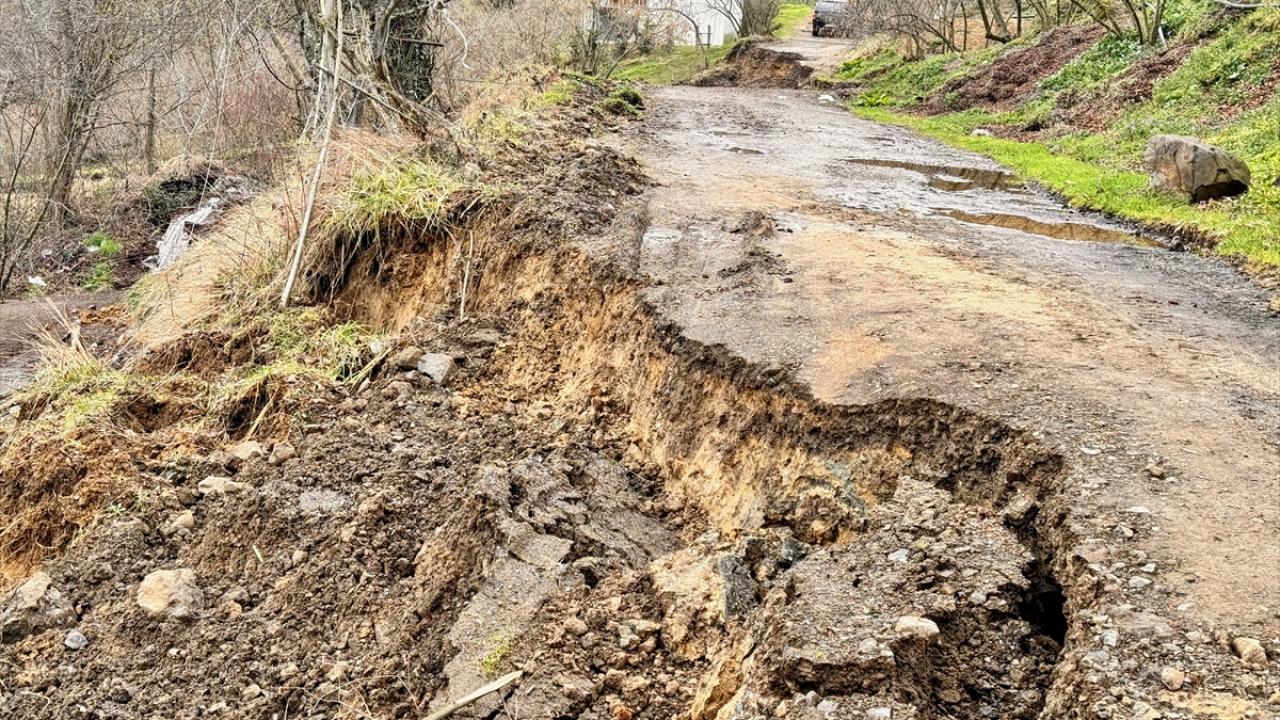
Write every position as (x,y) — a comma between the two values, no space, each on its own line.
(149,142)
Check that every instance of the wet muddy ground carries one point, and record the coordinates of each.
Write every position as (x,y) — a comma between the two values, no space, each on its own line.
(759,442)
(875,273)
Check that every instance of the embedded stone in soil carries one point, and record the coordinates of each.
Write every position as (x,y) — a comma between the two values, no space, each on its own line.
(937,609)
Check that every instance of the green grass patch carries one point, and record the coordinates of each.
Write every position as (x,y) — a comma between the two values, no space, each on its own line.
(1245,226)
(791,18)
(1109,57)
(303,338)
(671,66)
(886,78)
(415,194)
(561,93)
(103,245)
(102,276)
(501,646)
(624,100)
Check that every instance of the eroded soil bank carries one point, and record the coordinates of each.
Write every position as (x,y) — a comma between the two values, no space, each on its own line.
(645,523)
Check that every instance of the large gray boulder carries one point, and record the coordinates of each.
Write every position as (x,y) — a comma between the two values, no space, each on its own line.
(1196,170)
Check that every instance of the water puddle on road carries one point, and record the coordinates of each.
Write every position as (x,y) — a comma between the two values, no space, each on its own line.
(950,177)
(959,178)
(1083,232)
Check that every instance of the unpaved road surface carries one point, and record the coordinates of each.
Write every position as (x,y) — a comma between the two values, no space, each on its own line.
(24,322)
(823,54)
(881,265)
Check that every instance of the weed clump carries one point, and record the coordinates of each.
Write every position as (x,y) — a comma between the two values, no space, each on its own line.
(625,101)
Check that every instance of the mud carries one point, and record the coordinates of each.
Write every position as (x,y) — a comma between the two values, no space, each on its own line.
(649,515)
(25,323)
(753,65)
(622,512)
(1080,232)
(951,177)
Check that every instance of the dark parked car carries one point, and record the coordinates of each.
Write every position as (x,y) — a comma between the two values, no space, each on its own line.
(828,16)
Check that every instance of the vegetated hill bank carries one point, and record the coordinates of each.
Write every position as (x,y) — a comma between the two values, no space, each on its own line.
(537,473)
(1073,108)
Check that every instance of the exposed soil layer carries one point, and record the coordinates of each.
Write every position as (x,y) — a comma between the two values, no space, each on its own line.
(1005,82)
(647,524)
(624,513)
(684,506)
(1134,86)
(752,65)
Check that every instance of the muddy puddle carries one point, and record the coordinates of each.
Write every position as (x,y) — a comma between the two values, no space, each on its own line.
(989,197)
(950,177)
(1075,231)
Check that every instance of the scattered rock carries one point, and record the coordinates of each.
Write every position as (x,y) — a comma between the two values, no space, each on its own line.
(739,587)
(281,452)
(184,520)
(1144,711)
(913,626)
(397,389)
(1250,651)
(1173,678)
(1194,169)
(249,450)
(575,627)
(251,692)
(75,640)
(219,485)
(32,607)
(1155,470)
(171,592)
(407,359)
(1137,582)
(437,366)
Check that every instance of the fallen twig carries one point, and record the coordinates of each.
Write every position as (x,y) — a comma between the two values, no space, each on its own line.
(492,687)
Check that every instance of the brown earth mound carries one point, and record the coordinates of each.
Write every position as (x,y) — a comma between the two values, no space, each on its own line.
(1007,81)
(1135,85)
(754,66)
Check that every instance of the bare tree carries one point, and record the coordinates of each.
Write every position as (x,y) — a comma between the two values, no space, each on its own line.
(748,17)
(1145,17)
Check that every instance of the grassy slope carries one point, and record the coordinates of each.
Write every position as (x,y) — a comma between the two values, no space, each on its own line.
(793,18)
(1103,170)
(676,65)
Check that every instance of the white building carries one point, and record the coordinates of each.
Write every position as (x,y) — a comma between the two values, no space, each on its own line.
(675,18)
(714,28)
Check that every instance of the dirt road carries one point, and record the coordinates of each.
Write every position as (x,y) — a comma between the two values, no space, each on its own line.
(23,321)
(881,265)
